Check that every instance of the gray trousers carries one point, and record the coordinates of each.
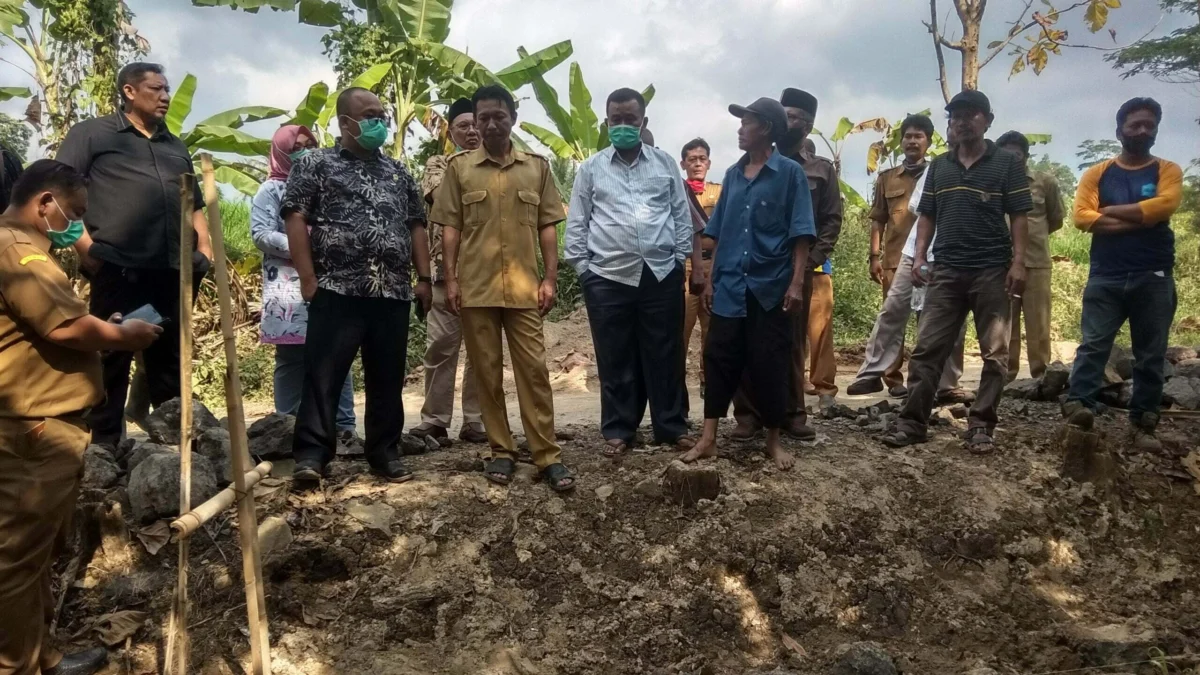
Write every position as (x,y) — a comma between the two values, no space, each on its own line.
(441,368)
(887,337)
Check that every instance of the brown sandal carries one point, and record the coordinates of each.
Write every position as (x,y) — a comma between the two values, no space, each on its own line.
(980,442)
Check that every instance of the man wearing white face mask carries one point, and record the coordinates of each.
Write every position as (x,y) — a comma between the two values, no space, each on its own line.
(629,231)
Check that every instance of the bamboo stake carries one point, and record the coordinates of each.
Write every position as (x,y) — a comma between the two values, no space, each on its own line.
(183,526)
(256,601)
(177,640)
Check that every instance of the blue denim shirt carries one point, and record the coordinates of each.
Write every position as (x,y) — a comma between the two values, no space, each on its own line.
(756,224)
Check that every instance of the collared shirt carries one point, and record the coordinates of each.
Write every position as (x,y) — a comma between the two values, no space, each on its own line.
(1047,208)
(624,217)
(893,190)
(756,224)
(284,312)
(431,180)
(37,377)
(914,202)
(707,199)
(360,212)
(133,189)
(826,191)
(500,206)
(969,207)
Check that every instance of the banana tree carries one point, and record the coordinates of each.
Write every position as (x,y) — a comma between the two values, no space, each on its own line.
(836,141)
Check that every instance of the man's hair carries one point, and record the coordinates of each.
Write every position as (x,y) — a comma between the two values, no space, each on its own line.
(494,92)
(692,145)
(1136,104)
(343,99)
(918,122)
(623,95)
(134,73)
(1014,138)
(46,175)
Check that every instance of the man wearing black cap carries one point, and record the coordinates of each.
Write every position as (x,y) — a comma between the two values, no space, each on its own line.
(763,226)
(444,328)
(980,268)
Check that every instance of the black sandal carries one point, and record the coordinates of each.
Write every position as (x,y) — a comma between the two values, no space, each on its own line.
(555,475)
(500,470)
(901,439)
(980,442)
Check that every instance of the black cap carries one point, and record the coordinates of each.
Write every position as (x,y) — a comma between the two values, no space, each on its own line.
(767,108)
(798,98)
(970,99)
(462,105)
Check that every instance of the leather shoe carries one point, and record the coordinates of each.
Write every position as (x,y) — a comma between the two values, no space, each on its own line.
(470,434)
(394,472)
(796,428)
(80,663)
(898,391)
(955,396)
(431,430)
(867,385)
(743,432)
(308,471)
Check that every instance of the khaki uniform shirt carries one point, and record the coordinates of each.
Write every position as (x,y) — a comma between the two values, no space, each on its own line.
(1047,208)
(893,190)
(499,207)
(708,201)
(435,170)
(37,377)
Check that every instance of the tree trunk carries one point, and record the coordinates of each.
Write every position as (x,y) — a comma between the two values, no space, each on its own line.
(970,51)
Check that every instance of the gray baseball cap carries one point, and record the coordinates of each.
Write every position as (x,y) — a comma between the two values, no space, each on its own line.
(769,110)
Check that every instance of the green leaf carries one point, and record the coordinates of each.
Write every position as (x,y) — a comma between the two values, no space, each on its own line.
(459,64)
(583,118)
(520,144)
(225,139)
(648,94)
(12,16)
(602,141)
(181,104)
(538,63)
(372,77)
(852,195)
(9,93)
(310,108)
(250,6)
(1039,139)
(549,139)
(238,116)
(844,126)
(417,19)
(320,12)
(549,99)
(240,181)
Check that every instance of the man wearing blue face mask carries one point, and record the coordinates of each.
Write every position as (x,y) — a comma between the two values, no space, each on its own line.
(367,222)
(629,231)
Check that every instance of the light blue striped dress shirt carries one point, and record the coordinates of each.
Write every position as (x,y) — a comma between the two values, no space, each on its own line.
(626,216)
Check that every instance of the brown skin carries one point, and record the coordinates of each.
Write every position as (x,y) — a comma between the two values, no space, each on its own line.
(51,210)
(915,143)
(360,106)
(968,126)
(798,120)
(695,166)
(304,142)
(463,132)
(146,105)
(1128,217)
(1053,225)
(757,139)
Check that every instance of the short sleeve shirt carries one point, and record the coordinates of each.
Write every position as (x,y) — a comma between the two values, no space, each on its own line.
(37,377)
(360,212)
(893,190)
(431,180)
(499,206)
(1047,207)
(970,206)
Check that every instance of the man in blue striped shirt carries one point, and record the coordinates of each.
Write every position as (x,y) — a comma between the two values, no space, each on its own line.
(628,232)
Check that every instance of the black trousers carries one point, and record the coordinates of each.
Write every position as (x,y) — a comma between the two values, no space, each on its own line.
(338,326)
(121,289)
(755,349)
(638,336)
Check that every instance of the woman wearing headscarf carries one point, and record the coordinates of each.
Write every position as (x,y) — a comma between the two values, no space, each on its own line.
(284,314)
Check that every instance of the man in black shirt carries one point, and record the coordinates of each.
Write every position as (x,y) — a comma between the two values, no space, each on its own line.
(10,171)
(133,164)
(979,267)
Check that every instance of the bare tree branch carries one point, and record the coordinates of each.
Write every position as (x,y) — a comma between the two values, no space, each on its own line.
(1013,34)
(937,45)
(1111,49)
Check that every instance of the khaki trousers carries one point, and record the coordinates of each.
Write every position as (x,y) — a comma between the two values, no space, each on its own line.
(482,327)
(894,375)
(693,313)
(41,463)
(822,359)
(441,368)
(1034,304)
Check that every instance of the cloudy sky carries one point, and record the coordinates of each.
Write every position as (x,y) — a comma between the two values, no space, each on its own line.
(861,58)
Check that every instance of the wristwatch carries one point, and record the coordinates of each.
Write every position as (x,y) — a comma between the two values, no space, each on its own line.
(424,280)
(872,255)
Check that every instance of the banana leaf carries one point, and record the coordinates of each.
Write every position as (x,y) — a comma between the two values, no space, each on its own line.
(310,108)
(236,117)
(181,104)
(458,64)
(549,99)
(582,116)
(240,181)
(8,93)
(324,13)
(540,62)
(11,16)
(549,139)
(225,139)
(417,19)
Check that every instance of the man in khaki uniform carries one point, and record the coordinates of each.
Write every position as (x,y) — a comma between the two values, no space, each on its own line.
(49,379)
(498,205)
(445,328)
(695,163)
(1045,218)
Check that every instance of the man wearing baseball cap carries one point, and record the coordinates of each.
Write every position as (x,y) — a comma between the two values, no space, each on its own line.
(763,228)
(980,268)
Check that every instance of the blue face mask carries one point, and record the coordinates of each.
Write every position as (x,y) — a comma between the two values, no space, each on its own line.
(295,156)
(372,133)
(65,238)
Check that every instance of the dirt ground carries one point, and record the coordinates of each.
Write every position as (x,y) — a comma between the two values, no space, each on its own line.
(949,561)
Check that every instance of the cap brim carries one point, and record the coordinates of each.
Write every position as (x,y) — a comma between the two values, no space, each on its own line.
(739,110)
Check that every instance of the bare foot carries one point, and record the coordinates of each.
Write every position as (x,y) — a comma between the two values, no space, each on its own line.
(782,458)
(707,447)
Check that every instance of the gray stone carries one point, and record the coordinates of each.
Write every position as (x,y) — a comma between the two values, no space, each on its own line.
(1168,370)
(1120,365)
(412,445)
(1113,643)
(863,420)
(271,436)
(863,658)
(350,445)
(164,426)
(100,470)
(1054,381)
(125,447)
(154,486)
(1188,368)
(959,411)
(214,444)
(274,535)
(650,488)
(1023,389)
(838,410)
(143,450)
(1183,392)
(432,444)
(1176,355)
(689,483)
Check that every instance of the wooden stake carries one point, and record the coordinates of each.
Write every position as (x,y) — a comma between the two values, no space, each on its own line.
(183,526)
(256,601)
(177,636)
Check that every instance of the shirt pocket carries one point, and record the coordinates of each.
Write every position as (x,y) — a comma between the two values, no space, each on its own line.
(475,211)
(769,217)
(527,207)
(897,201)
